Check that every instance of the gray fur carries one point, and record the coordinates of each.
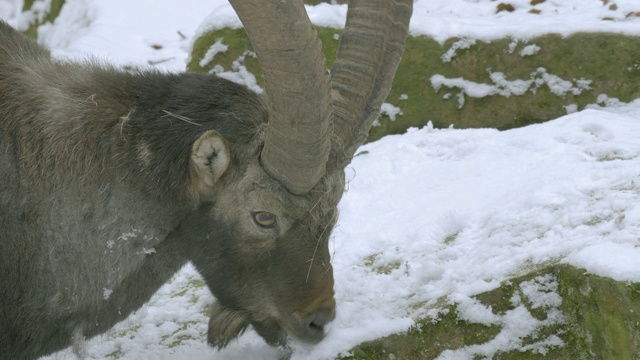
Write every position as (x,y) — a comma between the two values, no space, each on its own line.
(98,191)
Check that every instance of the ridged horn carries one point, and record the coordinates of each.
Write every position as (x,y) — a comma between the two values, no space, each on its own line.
(298,88)
(369,53)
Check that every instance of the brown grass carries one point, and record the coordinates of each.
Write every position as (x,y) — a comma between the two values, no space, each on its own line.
(505,7)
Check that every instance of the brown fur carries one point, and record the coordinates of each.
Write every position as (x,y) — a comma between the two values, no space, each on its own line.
(100,189)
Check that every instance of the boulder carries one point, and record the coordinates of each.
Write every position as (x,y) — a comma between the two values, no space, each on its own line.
(469,83)
(556,312)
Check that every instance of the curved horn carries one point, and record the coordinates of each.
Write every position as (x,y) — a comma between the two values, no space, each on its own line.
(369,53)
(298,88)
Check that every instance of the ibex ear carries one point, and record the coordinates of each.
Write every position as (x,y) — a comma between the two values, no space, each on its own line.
(210,158)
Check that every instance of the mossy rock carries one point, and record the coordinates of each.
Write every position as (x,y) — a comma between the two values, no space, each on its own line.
(40,14)
(586,65)
(601,320)
(316,2)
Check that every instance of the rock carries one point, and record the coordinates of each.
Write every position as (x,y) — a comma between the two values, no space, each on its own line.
(473,84)
(557,312)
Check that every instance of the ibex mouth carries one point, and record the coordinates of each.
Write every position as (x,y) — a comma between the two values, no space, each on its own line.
(227,324)
(312,328)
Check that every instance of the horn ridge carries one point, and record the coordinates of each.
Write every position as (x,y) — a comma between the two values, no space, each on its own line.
(298,88)
(368,57)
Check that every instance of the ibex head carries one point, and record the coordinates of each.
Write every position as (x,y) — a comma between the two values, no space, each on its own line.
(275,272)
(98,166)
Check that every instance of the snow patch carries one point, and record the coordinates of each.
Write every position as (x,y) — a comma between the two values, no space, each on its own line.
(10,10)
(542,292)
(39,9)
(148,251)
(106,293)
(506,88)
(239,73)
(215,49)
(458,45)
(126,236)
(512,46)
(529,50)
(73,21)
(390,110)
(599,259)
(517,324)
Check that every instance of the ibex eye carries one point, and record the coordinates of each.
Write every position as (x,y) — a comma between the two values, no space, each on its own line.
(265,219)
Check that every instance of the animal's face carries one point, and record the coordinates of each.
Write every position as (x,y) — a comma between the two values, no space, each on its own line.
(263,251)
(276,272)
(268,192)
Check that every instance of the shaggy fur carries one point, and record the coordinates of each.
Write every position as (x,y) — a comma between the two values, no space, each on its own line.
(98,191)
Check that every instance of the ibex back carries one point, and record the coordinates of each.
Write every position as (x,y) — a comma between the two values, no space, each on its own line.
(111,181)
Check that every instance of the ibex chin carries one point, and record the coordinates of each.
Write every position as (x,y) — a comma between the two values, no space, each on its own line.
(111,181)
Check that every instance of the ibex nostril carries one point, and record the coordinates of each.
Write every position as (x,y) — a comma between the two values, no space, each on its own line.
(316,326)
(317,320)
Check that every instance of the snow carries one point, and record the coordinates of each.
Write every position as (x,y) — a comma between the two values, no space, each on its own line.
(529,50)
(239,73)
(388,110)
(458,45)
(517,324)
(609,259)
(216,48)
(429,215)
(503,87)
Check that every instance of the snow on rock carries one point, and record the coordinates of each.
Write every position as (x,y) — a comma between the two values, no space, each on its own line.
(506,88)
(458,45)
(215,49)
(36,13)
(72,22)
(239,73)
(388,110)
(517,324)
(609,259)
(529,50)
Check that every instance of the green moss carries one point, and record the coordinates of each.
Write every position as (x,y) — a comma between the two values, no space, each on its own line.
(180,293)
(177,339)
(425,340)
(195,283)
(613,67)
(239,44)
(564,57)
(49,17)
(129,332)
(115,355)
(602,321)
(385,269)
(451,238)
(604,315)
(192,284)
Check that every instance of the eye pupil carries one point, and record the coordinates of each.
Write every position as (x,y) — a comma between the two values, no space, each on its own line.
(264,218)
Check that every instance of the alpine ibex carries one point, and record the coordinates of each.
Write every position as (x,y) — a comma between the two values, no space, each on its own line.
(111,181)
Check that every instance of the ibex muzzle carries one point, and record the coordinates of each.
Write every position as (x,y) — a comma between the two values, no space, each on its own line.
(111,181)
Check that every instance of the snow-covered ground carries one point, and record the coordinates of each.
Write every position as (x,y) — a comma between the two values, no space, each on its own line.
(431,214)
